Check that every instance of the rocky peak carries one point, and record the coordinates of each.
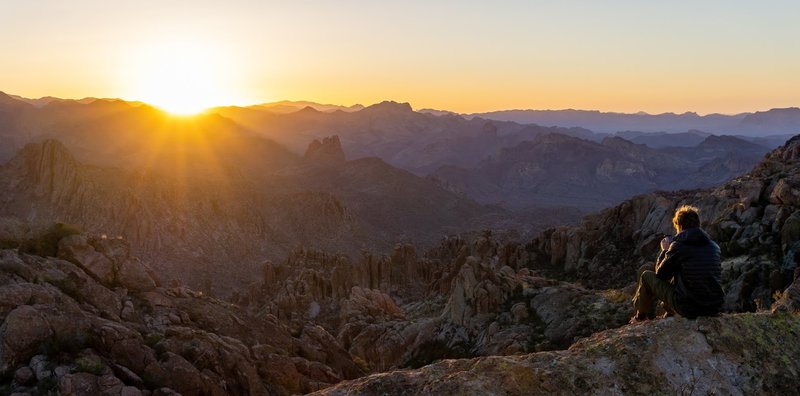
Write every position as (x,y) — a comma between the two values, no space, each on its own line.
(789,151)
(308,110)
(389,106)
(11,104)
(617,142)
(726,142)
(49,165)
(327,150)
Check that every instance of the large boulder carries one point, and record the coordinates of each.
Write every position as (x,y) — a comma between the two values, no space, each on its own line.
(730,354)
(76,249)
(108,261)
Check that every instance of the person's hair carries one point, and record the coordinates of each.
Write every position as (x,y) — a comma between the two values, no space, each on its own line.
(686,217)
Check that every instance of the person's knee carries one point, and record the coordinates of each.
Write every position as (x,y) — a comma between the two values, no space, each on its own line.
(646,275)
(645,267)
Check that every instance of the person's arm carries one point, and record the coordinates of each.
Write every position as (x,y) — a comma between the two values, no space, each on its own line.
(668,264)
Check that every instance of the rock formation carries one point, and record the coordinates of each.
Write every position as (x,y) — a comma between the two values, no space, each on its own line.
(732,354)
(459,299)
(205,222)
(752,217)
(98,324)
(327,150)
(559,170)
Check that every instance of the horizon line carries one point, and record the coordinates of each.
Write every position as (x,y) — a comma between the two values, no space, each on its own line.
(640,112)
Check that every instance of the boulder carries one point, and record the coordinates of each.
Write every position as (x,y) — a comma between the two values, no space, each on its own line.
(134,276)
(24,375)
(720,355)
(76,249)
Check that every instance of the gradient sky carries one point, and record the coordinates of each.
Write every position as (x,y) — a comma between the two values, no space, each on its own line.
(466,56)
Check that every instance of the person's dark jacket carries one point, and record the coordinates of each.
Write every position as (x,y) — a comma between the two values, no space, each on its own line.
(693,260)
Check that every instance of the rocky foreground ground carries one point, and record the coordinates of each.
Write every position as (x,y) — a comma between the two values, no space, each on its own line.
(731,354)
(95,321)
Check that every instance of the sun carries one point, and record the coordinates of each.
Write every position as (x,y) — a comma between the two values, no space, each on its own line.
(182,77)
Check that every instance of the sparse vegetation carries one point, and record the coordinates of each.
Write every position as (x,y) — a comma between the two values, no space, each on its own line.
(45,242)
(45,386)
(62,345)
(434,350)
(87,365)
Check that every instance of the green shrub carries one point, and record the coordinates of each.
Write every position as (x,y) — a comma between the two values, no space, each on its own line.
(46,243)
(86,365)
(45,386)
(62,345)
(152,339)
(153,381)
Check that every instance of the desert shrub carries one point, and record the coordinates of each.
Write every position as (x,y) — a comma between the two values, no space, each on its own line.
(152,339)
(45,244)
(45,386)
(67,285)
(153,381)
(362,364)
(64,344)
(434,350)
(6,243)
(86,365)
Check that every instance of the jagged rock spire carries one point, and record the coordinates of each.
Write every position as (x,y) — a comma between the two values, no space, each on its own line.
(327,150)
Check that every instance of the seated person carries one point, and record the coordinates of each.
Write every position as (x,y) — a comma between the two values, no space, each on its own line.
(687,273)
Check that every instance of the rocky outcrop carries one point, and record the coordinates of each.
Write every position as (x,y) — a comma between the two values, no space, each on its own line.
(752,218)
(329,150)
(91,326)
(235,204)
(108,261)
(463,298)
(675,356)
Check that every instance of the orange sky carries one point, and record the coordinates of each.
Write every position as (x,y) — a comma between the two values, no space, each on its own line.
(716,56)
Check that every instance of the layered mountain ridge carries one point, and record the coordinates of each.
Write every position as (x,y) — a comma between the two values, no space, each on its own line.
(193,226)
(555,169)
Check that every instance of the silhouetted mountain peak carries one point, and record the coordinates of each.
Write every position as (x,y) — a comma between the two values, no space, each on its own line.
(327,150)
(786,117)
(389,106)
(727,142)
(8,100)
(616,141)
(50,151)
(308,110)
(557,138)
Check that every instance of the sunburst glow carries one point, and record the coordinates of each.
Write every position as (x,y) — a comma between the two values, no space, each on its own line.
(182,77)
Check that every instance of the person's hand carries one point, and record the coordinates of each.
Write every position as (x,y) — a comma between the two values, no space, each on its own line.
(665,243)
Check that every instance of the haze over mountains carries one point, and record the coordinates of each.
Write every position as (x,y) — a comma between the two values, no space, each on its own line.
(454,151)
(759,123)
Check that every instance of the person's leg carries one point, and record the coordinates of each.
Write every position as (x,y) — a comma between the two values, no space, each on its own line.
(660,290)
(643,299)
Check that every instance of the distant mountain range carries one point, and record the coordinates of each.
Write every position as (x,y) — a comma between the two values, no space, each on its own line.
(758,124)
(494,162)
(289,106)
(557,170)
(206,192)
